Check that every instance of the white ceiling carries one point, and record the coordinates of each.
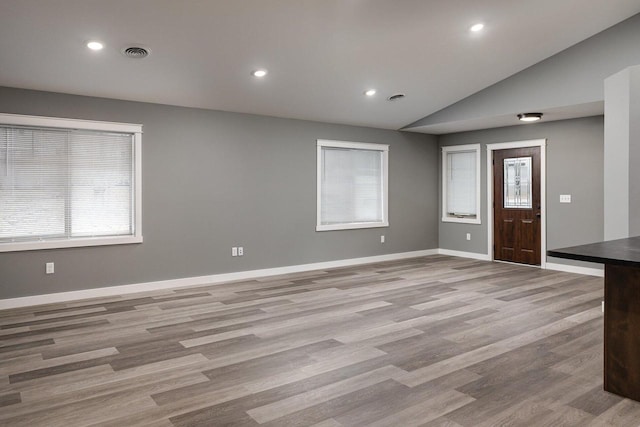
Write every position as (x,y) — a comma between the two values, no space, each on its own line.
(321,54)
(549,115)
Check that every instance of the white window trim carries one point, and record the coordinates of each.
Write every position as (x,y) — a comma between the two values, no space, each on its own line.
(55,122)
(384,148)
(453,149)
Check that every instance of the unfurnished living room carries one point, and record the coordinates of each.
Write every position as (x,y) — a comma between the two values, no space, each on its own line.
(319,213)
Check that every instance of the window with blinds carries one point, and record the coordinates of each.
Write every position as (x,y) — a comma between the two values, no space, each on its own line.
(352,185)
(67,186)
(461,183)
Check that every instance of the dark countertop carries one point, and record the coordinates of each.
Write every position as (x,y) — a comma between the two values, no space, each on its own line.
(618,252)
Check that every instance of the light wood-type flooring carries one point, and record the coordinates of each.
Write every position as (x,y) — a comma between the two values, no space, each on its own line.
(430,341)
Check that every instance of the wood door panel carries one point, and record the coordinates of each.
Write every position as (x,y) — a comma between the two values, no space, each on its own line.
(507,254)
(517,225)
(508,233)
(527,234)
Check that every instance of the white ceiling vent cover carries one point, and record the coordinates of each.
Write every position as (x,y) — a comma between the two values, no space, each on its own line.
(396,97)
(136,52)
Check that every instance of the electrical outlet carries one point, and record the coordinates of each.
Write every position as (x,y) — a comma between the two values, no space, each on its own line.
(381,239)
(234,251)
(240,251)
(468,236)
(50,268)
(565,198)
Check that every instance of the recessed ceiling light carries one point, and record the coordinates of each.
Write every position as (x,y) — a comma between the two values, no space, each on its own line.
(94,45)
(259,73)
(529,117)
(477,27)
(370,92)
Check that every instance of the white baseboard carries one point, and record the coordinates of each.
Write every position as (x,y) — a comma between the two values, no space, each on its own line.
(575,269)
(472,255)
(201,280)
(548,266)
(255,274)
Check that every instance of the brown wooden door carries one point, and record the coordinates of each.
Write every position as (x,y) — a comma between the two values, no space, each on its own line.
(516,205)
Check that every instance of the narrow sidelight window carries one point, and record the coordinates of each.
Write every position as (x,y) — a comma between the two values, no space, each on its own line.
(461,183)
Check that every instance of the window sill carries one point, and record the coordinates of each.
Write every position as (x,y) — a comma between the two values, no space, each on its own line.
(462,220)
(353,226)
(68,243)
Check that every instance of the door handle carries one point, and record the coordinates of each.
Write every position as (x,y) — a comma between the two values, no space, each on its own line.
(538,215)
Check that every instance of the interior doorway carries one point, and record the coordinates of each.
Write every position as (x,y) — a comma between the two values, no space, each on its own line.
(516,202)
(516,205)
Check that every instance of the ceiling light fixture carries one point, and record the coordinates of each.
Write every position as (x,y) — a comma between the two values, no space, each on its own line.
(94,45)
(259,73)
(370,92)
(477,27)
(529,117)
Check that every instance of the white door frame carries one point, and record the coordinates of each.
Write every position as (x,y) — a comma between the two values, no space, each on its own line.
(542,143)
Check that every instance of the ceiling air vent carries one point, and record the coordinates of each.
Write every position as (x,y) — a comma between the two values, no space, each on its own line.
(396,97)
(136,52)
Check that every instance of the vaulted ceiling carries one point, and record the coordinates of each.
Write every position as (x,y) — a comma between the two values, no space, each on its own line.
(321,55)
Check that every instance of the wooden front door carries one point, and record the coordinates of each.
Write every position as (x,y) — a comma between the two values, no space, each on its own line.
(516,205)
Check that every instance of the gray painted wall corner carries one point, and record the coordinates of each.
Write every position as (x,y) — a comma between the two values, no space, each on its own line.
(574,166)
(213,180)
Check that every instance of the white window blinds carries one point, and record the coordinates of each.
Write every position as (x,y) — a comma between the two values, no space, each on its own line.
(65,184)
(461,183)
(352,186)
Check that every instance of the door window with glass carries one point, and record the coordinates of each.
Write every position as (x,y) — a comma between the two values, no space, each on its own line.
(517,182)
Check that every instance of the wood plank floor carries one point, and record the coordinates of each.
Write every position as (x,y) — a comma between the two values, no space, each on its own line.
(430,341)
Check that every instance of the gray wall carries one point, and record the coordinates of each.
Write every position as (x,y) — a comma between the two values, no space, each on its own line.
(617,155)
(574,166)
(634,151)
(213,180)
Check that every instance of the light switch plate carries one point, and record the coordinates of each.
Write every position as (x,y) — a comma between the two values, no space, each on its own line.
(565,198)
